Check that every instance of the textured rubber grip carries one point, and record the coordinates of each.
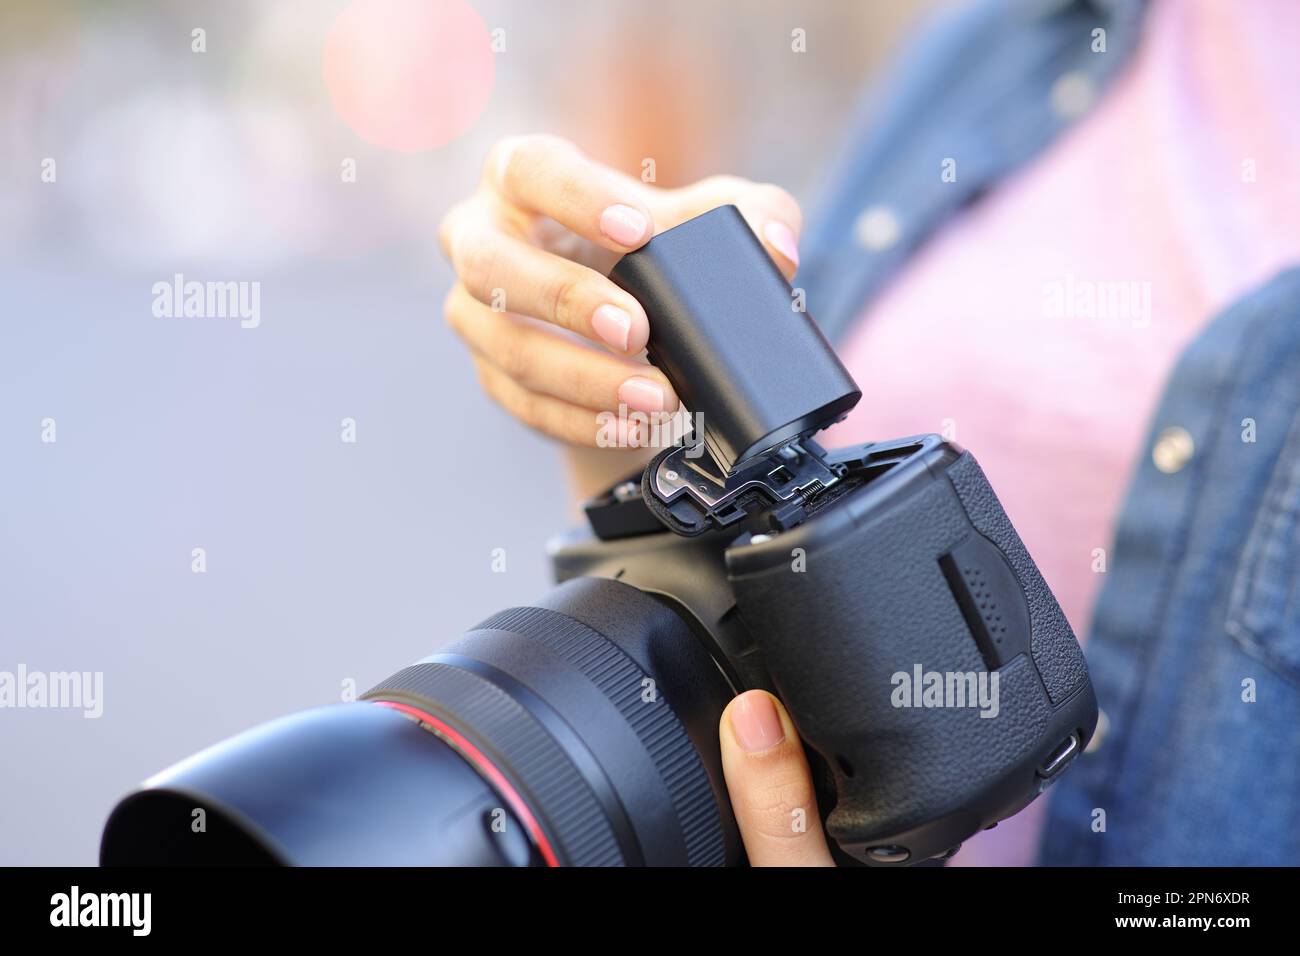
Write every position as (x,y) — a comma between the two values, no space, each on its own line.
(877,598)
(1055,650)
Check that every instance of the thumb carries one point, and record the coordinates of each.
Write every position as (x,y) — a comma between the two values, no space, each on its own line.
(770,786)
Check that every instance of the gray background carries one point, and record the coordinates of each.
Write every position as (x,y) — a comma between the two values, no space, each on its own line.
(326,561)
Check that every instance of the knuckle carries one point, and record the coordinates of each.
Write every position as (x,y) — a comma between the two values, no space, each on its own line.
(465,219)
(445,234)
(512,356)
(724,184)
(451,307)
(773,197)
(571,192)
(500,161)
(560,298)
(447,228)
(589,388)
(510,399)
(523,410)
(520,158)
(488,383)
(477,258)
(544,145)
(544,418)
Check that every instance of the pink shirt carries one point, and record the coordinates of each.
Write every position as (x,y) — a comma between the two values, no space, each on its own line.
(1038,329)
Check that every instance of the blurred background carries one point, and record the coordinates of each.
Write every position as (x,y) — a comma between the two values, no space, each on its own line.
(133,148)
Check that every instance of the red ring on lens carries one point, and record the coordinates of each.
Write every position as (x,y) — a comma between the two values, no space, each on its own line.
(488,769)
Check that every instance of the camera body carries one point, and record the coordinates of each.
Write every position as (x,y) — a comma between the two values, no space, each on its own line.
(916,646)
(880,590)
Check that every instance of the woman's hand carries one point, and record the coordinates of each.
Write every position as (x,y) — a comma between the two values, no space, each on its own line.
(554,341)
(770,786)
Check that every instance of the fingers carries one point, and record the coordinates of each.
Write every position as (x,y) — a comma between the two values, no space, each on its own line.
(559,419)
(770,786)
(549,176)
(505,272)
(544,361)
(771,212)
(503,240)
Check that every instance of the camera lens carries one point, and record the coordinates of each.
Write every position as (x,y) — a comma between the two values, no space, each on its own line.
(578,731)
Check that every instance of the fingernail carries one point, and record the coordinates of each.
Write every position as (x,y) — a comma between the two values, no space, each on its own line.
(623,224)
(613,325)
(756,723)
(642,395)
(781,238)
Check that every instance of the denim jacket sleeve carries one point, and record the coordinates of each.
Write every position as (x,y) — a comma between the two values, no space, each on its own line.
(1195,649)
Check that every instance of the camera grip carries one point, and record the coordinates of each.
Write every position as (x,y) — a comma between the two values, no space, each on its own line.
(918,573)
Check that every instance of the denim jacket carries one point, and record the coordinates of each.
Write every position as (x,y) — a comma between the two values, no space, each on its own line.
(1195,647)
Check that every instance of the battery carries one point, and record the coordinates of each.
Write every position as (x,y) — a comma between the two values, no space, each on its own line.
(731,336)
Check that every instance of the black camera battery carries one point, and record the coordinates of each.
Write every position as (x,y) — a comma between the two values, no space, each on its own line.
(733,338)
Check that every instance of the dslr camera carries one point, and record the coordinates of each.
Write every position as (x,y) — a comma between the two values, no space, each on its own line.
(879,591)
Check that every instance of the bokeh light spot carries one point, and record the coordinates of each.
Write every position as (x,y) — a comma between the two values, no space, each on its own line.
(409,75)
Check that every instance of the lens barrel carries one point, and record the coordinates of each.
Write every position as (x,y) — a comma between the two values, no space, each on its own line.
(579,731)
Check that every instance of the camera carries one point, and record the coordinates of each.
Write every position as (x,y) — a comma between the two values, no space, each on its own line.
(879,590)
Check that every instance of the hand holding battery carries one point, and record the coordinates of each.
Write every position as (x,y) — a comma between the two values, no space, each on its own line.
(554,341)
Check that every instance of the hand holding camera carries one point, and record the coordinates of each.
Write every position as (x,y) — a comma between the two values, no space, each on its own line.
(879,591)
